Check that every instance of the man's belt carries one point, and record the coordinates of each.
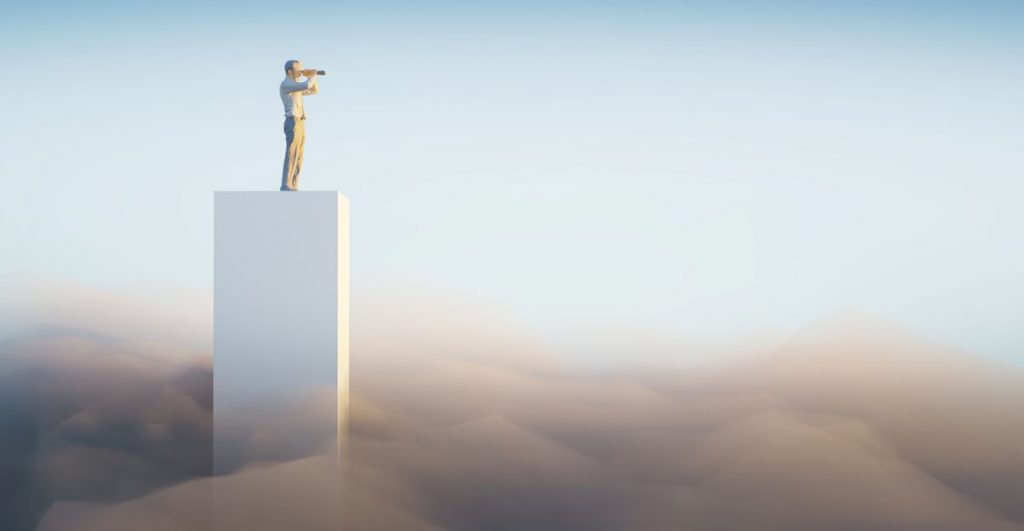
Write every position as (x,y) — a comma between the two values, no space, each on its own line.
(299,118)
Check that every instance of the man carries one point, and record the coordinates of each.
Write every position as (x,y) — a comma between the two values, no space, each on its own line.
(292,91)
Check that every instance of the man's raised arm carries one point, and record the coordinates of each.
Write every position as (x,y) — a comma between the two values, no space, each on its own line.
(291,85)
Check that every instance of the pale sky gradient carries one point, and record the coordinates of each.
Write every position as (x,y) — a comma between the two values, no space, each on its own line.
(708,169)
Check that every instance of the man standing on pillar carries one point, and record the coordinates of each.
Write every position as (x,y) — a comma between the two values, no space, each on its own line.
(292,91)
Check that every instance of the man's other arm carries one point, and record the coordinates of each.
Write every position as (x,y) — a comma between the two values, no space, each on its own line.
(314,87)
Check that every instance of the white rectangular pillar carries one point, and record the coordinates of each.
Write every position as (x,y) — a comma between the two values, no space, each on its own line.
(281,306)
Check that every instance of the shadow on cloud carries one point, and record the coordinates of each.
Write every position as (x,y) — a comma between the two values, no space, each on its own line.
(461,422)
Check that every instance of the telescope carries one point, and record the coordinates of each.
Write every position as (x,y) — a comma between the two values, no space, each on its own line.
(318,72)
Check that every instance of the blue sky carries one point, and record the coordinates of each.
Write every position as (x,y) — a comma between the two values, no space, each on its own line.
(703,168)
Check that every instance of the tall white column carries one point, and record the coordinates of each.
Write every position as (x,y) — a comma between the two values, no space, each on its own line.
(281,310)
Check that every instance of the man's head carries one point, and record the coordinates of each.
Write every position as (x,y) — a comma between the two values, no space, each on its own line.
(293,68)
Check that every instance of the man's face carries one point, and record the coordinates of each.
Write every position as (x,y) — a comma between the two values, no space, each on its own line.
(297,69)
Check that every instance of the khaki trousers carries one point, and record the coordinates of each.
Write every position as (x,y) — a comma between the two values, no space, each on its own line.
(294,139)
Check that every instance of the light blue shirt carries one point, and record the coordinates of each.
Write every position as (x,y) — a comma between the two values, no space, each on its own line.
(292,92)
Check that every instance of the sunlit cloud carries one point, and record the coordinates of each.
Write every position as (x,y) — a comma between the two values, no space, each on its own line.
(853,423)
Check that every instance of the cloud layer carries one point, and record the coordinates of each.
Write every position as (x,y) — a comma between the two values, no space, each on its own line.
(461,423)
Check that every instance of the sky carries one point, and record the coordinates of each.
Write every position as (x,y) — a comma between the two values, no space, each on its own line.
(706,170)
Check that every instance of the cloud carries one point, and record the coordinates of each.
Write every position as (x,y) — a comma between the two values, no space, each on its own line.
(85,416)
(461,422)
(170,315)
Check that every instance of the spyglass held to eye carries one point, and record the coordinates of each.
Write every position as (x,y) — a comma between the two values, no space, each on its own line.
(309,72)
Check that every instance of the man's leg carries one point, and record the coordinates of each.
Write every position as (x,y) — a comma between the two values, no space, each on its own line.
(300,141)
(289,153)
